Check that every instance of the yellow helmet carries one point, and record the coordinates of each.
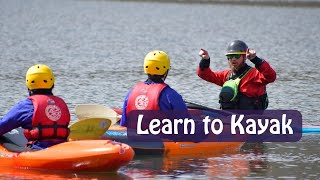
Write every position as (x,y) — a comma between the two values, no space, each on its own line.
(156,63)
(39,76)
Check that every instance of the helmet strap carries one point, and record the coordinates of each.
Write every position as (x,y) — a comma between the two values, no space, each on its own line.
(165,75)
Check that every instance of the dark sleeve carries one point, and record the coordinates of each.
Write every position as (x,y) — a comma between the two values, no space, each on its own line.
(257,61)
(204,64)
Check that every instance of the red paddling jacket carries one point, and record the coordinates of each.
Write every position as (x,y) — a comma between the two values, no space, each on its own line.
(252,87)
(50,119)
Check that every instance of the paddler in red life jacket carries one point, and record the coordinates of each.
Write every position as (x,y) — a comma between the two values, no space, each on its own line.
(243,87)
(153,94)
(43,116)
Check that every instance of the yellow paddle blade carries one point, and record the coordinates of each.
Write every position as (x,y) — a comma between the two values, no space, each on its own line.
(90,128)
(84,111)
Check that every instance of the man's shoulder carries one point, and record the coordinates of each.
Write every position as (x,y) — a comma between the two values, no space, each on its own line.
(25,102)
(170,91)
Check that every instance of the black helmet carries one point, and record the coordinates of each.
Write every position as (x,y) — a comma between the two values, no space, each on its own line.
(237,47)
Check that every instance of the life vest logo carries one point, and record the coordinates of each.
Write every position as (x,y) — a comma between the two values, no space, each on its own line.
(143,91)
(53,112)
(141,102)
(50,101)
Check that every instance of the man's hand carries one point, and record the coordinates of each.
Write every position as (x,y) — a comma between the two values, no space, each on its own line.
(251,54)
(204,54)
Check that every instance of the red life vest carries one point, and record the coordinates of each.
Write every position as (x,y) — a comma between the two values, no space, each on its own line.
(50,119)
(145,97)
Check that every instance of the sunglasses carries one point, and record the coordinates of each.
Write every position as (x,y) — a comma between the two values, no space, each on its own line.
(230,56)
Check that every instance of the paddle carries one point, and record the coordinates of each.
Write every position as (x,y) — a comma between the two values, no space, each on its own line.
(84,111)
(89,128)
(192,105)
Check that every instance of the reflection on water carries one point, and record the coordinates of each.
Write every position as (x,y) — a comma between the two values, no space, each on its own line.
(220,166)
(96,49)
(258,160)
(28,174)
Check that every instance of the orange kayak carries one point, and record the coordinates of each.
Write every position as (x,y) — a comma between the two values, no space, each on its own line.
(119,133)
(86,155)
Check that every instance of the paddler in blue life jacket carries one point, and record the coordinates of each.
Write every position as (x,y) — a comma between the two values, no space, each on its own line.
(243,87)
(43,116)
(154,93)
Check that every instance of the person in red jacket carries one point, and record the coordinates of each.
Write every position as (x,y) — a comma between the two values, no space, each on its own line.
(43,116)
(243,87)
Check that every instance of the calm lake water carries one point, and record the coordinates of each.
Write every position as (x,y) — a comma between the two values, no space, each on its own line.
(96,49)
